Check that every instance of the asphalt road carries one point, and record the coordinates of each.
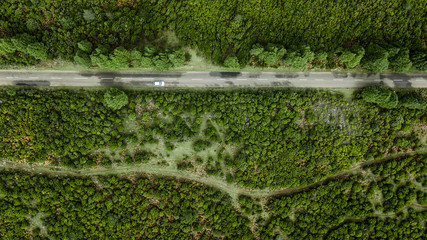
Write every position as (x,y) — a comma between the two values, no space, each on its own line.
(212,79)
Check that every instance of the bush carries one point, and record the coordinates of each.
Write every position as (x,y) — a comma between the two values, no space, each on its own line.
(231,62)
(115,99)
(376,58)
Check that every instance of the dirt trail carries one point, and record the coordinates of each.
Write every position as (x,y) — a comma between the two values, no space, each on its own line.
(232,189)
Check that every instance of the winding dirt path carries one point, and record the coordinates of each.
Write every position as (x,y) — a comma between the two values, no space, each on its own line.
(233,189)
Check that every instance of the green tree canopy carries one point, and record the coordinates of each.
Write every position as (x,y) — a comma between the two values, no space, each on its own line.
(21,42)
(177,58)
(269,56)
(82,59)
(380,95)
(37,50)
(6,46)
(232,62)
(419,59)
(351,57)
(400,62)
(115,98)
(85,46)
(120,58)
(376,58)
(298,57)
(413,101)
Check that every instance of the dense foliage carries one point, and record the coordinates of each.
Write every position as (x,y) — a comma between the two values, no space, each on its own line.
(219,28)
(375,58)
(387,202)
(255,138)
(81,208)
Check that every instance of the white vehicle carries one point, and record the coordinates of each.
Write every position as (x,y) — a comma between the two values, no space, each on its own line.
(158,83)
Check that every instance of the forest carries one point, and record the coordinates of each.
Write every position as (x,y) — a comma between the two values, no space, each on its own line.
(383,200)
(212,164)
(372,35)
(255,138)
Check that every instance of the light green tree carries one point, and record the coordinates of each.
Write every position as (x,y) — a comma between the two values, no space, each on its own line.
(37,50)
(6,46)
(85,46)
(115,99)
(352,57)
(232,62)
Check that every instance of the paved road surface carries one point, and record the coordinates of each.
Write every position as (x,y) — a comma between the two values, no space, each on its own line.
(211,79)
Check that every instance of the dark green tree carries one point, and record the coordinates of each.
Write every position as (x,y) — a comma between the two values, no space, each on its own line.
(298,57)
(400,62)
(380,95)
(413,101)
(82,59)
(376,58)
(352,57)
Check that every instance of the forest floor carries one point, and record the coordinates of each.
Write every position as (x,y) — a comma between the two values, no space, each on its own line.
(154,170)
